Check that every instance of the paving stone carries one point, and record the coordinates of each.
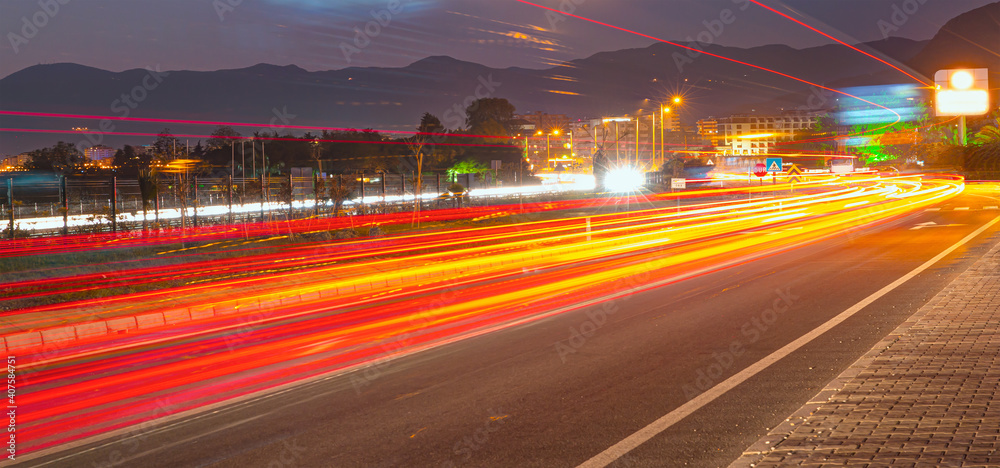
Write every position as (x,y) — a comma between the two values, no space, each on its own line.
(924,396)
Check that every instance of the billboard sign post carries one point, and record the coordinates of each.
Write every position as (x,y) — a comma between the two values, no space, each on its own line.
(962,92)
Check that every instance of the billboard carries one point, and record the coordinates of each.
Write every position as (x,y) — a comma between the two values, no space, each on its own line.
(899,102)
(962,92)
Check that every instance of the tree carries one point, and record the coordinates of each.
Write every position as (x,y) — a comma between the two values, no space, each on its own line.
(339,192)
(673,167)
(165,146)
(458,191)
(428,131)
(354,150)
(490,116)
(286,194)
(319,189)
(130,163)
(148,190)
(429,123)
(222,137)
(63,158)
(983,153)
(468,166)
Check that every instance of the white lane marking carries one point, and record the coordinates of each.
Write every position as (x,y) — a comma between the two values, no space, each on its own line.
(963,208)
(932,224)
(629,443)
(990,208)
(933,209)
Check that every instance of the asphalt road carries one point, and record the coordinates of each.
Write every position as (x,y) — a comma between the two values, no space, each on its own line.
(558,391)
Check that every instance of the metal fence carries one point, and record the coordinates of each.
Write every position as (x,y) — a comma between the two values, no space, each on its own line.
(106,202)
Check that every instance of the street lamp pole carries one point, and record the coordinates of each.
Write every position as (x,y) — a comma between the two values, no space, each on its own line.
(571,154)
(663,110)
(677,102)
(652,137)
(636,140)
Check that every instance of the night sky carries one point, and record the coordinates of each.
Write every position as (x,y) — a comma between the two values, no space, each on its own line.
(320,35)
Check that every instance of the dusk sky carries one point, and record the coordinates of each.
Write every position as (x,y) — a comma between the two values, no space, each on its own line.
(320,35)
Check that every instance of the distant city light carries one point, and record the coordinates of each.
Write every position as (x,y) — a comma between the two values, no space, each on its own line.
(624,179)
(756,136)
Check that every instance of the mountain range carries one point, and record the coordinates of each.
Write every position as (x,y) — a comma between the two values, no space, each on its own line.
(607,83)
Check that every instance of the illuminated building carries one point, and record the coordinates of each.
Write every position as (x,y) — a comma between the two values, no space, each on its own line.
(708,129)
(750,134)
(14,163)
(99,155)
(545,122)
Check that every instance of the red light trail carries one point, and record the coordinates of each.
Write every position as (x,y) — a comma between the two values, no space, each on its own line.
(556,10)
(241,335)
(918,80)
(321,140)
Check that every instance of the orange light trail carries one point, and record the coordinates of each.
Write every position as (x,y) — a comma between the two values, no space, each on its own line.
(286,326)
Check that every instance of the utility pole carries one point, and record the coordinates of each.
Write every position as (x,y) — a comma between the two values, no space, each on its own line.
(10,204)
(114,204)
(636,140)
(64,198)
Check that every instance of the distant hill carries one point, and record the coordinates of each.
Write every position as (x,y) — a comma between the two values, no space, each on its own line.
(970,40)
(606,83)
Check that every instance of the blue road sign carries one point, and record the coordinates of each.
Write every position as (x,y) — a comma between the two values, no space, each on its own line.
(773,164)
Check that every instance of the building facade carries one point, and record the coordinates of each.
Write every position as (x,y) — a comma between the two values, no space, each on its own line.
(708,130)
(14,163)
(749,135)
(99,156)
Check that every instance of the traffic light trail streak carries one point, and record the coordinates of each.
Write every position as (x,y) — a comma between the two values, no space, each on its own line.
(477,280)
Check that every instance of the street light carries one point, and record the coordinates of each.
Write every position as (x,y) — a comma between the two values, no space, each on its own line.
(319,162)
(548,144)
(663,110)
(677,102)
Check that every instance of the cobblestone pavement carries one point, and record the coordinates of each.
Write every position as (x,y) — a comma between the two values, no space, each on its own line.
(928,395)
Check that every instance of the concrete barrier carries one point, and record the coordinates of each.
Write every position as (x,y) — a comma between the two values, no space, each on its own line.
(58,335)
(360,284)
(91,330)
(152,320)
(201,313)
(175,316)
(23,340)
(122,324)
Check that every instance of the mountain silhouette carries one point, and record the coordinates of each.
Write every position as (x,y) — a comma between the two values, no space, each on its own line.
(606,83)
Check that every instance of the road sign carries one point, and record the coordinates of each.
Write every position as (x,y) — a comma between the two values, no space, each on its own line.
(773,164)
(760,170)
(962,92)
(678,184)
(793,174)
